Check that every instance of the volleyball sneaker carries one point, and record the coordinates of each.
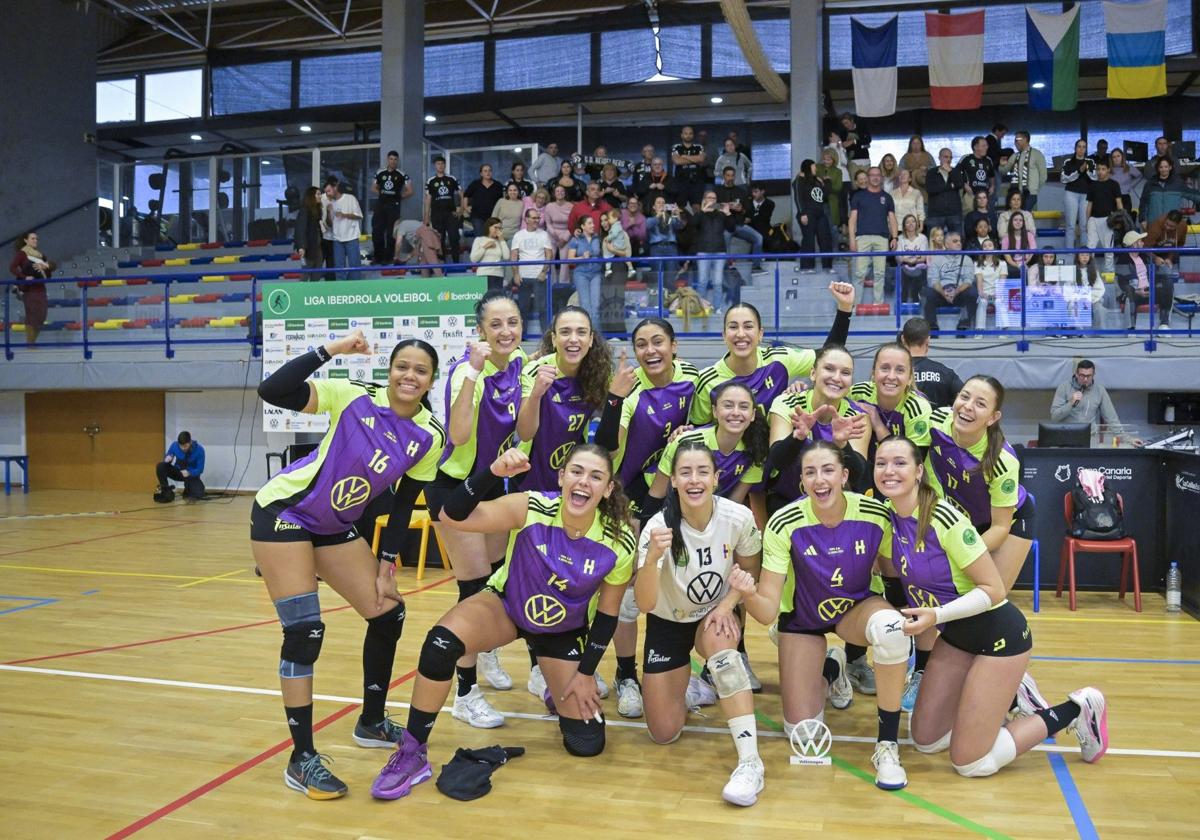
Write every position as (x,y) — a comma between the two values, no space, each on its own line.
(601,686)
(699,693)
(629,698)
(908,700)
(474,709)
(1091,727)
(536,684)
(841,692)
(1029,700)
(491,670)
(407,766)
(745,783)
(382,735)
(309,775)
(862,675)
(889,772)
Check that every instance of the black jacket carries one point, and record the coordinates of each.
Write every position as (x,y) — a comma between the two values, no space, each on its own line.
(943,192)
(938,383)
(760,219)
(811,196)
(710,230)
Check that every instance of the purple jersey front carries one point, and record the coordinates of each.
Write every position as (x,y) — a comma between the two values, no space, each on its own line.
(787,483)
(563,420)
(497,400)
(655,414)
(958,477)
(933,568)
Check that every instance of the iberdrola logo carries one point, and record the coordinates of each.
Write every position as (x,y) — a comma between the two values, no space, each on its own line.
(443,296)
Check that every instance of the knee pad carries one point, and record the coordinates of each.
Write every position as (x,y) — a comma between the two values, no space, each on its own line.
(439,653)
(729,674)
(940,745)
(389,626)
(584,738)
(303,633)
(893,592)
(467,588)
(629,609)
(885,632)
(1001,753)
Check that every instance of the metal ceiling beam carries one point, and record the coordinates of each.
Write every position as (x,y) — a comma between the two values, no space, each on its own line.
(316,14)
(346,17)
(178,26)
(250,33)
(179,35)
(479,9)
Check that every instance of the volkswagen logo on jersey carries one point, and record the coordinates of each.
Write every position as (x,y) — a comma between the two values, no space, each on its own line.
(558,457)
(811,743)
(349,492)
(705,587)
(922,598)
(831,608)
(544,610)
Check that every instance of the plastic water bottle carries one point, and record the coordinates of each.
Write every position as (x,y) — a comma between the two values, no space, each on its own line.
(1174,588)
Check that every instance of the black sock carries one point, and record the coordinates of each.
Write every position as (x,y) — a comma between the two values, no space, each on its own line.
(626,668)
(889,725)
(1058,717)
(466,680)
(830,670)
(299,720)
(378,655)
(420,724)
(922,659)
(854,652)
(741,645)
(532,657)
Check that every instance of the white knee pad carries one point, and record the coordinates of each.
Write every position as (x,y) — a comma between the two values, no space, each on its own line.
(940,745)
(789,728)
(1001,753)
(629,611)
(729,674)
(885,633)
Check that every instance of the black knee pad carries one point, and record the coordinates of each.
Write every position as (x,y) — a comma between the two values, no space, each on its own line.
(302,642)
(467,588)
(388,626)
(893,592)
(584,738)
(439,653)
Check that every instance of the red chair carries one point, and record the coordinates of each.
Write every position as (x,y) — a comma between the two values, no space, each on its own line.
(1126,547)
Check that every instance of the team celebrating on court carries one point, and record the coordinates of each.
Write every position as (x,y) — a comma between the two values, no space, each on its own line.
(704,496)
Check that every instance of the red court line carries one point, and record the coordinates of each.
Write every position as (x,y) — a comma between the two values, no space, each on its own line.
(88,540)
(196,634)
(250,764)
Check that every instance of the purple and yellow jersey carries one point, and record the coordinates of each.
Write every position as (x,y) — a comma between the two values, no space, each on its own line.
(563,422)
(787,483)
(548,580)
(649,415)
(931,567)
(367,449)
(910,419)
(495,404)
(828,569)
(777,366)
(732,469)
(955,473)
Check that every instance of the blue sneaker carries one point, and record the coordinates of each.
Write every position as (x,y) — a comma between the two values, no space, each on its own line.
(908,700)
(309,775)
(383,735)
(408,766)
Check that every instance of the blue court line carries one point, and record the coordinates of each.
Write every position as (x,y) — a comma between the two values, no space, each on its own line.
(1116,659)
(91,592)
(34,602)
(1079,811)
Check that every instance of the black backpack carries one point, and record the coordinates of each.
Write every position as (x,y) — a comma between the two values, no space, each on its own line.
(779,240)
(1096,519)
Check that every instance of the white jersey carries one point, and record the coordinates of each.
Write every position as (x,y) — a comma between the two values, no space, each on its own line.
(688,593)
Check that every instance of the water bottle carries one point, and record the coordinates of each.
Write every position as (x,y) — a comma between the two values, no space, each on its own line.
(1174,588)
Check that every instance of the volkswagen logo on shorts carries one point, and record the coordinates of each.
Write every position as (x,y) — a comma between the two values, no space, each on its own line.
(349,492)
(921,598)
(811,743)
(544,610)
(558,458)
(705,587)
(831,608)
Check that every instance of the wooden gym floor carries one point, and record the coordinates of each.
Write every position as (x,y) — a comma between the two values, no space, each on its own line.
(138,696)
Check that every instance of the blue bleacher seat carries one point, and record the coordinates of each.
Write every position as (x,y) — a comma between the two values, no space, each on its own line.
(164,246)
(129,263)
(281,242)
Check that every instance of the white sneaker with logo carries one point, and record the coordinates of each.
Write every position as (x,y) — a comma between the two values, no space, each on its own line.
(745,783)
(536,684)
(629,698)
(889,772)
(475,710)
(699,693)
(491,670)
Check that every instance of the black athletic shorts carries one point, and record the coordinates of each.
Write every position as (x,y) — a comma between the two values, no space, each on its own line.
(567,645)
(789,623)
(1023,520)
(668,644)
(999,632)
(266,526)
(438,490)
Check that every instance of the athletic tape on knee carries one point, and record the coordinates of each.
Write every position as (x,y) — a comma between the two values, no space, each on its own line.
(729,674)
(303,632)
(940,745)
(439,653)
(629,609)
(388,626)
(467,588)
(1001,753)
(583,738)
(885,632)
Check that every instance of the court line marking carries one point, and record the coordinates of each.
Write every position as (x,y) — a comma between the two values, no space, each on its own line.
(199,581)
(102,572)
(1079,811)
(92,539)
(198,633)
(1179,622)
(33,603)
(1116,659)
(27,516)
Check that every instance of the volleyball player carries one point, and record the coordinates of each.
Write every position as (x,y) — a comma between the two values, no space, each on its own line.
(565,549)
(979,660)
(644,406)
(302,526)
(685,556)
(483,391)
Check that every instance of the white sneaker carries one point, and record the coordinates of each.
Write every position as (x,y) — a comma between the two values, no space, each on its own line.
(536,684)
(1091,727)
(862,675)
(889,772)
(773,633)
(475,710)
(491,670)
(629,698)
(841,693)
(745,783)
(601,686)
(699,693)
(1029,700)
(755,682)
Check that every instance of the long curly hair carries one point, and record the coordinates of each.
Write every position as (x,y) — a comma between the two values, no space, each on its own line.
(757,436)
(614,510)
(595,370)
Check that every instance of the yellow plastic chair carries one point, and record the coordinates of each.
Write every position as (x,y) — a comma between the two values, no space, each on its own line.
(420,519)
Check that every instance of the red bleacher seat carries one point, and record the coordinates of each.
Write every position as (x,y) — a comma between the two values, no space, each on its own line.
(151,300)
(872,309)
(258,243)
(206,299)
(208,246)
(292,275)
(87,284)
(241,277)
(152,263)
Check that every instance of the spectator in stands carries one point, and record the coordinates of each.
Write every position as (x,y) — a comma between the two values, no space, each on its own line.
(872,228)
(567,180)
(524,185)
(442,208)
(1126,175)
(327,224)
(937,238)
(586,245)
(489,247)
(1082,400)
(641,169)
(558,215)
(510,210)
(612,190)
(1167,231)
(1133,276)
(1018,237)
(1076,177)
(978,235)
(913,269)
(761,210)
(547,164)
(988,271)
(908,199)
(28,263)
(531,246)
(184,462)
(346,215)
(1027,166)
(537,201)
(633,222)
(657,182)
(834,142)
(736,199)
(829,169)
(307,241)
(738,145)
(977,173)
(392,186)
(594,166)
(1162,149)
(1101,154)
(982,211)
(938,383)
(689,159)
(664,222)
(1037,274)
(614,244)
(917,161)
(738,162)
(951,283)
(943,184)
(888,168)
(1087,276)
(1165,192)
(856,140)
(810,197)
(712,222)
(1103,197)
(995,143)
(707,174)
(1015,206)
(592,205)
(480,197)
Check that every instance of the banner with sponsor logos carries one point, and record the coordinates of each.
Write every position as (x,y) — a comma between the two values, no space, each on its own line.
(299,316)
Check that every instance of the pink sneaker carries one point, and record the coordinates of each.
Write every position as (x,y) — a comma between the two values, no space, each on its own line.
(407,766)
(1091,727)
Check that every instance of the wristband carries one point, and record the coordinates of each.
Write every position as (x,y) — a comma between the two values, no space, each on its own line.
(322,354)
(599,635)
(472,374)
(964,606)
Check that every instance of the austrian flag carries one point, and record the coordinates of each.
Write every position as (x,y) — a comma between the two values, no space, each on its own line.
(955,60)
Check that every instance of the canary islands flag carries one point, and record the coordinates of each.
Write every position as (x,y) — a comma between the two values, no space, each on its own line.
(1052,50)
(1137,47)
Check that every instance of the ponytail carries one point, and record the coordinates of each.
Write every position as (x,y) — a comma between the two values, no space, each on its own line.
(672,512)
(927,497)
(614,510)
(995,435)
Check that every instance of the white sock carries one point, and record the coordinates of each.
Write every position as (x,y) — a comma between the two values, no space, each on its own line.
(745,737)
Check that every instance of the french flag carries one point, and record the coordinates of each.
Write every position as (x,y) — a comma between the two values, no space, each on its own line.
(955,60)
(873,59)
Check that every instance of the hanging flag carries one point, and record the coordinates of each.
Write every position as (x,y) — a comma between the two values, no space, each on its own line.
(873,58)
(1052,50)
(955,60)
(1137,49)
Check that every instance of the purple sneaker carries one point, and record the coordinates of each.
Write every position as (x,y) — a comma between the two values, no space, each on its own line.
(548,699)
(408,766)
